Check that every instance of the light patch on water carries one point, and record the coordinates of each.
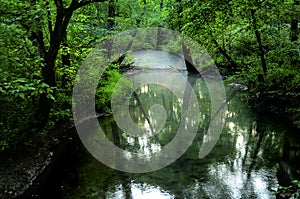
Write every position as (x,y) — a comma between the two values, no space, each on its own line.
(180,100)
(260,187)
(231,126)
(147,127)
(147,148)
(139,191)
(155,148)
(117,194)
(130,140)
(127,155)
(145,191)
(254,126)
(240,145)
(232,181)
(236,180)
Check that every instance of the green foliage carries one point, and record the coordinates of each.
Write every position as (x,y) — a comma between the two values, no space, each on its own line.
(19,97)
(105,90)
(22,89)
(20,77)
(107,86)
(292,191)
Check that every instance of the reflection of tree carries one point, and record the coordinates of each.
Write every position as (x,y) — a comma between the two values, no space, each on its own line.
(191,80)
(115,133)
(136,97)
(125,182)
(261,132)
(92,178)
(286,173)
(190,177)
(248,145)
(144,100)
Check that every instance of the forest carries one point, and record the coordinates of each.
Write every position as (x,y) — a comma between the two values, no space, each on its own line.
(44,42)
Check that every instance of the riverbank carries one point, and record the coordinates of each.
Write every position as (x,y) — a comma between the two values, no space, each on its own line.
(22,174)
(27,175)
(19,173)
(280,107)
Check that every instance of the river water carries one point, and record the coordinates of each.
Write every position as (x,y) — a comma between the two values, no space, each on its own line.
(246,162)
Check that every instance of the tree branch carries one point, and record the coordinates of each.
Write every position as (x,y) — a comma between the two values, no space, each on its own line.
(259,41)
(225,54)
(49,18)
(86,2)
(59,4)
(36,38)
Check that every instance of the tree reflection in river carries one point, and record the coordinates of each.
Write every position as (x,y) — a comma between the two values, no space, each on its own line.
(243,164)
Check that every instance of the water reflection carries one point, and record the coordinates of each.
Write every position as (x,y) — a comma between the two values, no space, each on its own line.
(138,191)
(243,164)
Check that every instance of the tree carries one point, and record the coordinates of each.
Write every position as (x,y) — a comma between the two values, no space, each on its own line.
(47,40)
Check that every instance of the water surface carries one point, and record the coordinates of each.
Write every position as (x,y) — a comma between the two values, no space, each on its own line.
(243,164)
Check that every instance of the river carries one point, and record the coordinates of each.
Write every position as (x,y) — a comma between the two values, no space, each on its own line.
(246,161)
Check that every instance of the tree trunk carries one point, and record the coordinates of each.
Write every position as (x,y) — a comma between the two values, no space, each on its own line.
(48,70)
(159,38)
(294,24)
(179,12)
(225,54)
(294,34)
(110,26)
(65,62)
(159,31)
(260,46)
(45,103)
(57,34)
(111,15)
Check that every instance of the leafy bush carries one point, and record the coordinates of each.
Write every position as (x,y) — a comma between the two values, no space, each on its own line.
(107,86)
(19,97)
